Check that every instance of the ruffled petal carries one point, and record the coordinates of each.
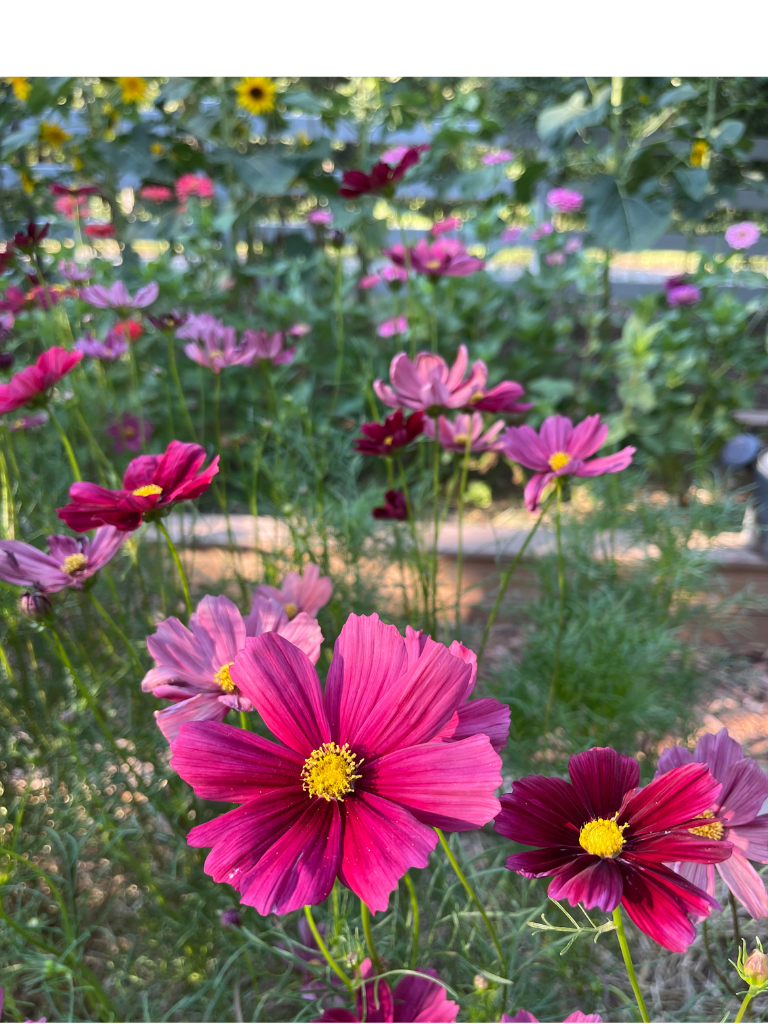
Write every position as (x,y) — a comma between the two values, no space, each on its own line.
(305,633)
(27,566)
(176,648)
(718,751)
(267,615)
(592,881)
(202,707)
(601,779)
(673,757)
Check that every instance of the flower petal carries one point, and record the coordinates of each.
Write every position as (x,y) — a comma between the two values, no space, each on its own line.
(745,788)
(745,884)
(606,463)
(487,716)
(587,437)
(537,863)
(671,800)
(523,445)
(673,757)
(176,648)
(305,633)
(419,999)
(593,881)
(718,751)
(601,779)
(542,812)
(203,707)
(221,620)
(752,838)
(659,901)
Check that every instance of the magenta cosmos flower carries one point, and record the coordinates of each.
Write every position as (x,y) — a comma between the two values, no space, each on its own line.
(215,346)
(300,592)
(442,227)
(270,347)
(395,507)
(152,484)
(445,257)
(560,449)
(412,999)
(427,384)
(454,436)
(385,174)
(193,665)
(606,843)
(577,1017)
(501,398)
(356,783)
(69,563)
(113,346)
(117,296)
(565,200)
(129,433)
(734,816)
(683,294)
(503,156)
(199,185)
(390,436)
(389,328)
(743,235)
(32,385)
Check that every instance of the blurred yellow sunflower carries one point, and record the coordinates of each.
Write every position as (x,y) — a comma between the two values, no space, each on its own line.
(256,95)
(21,88)
(132,89)
(700,153)
(53,134)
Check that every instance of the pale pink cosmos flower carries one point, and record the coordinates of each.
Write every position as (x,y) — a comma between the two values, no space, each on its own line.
(192,664)
(502,157)
(554,259)
(389,328)
(29,422)
(298,330)
(320,217)
(199,185)
(565,200)
(369,281)
(454,436)
(572,245)
(300,592)
(118,297)
(542,230)
(393,274)
(560,449)
(218,348)
(74,273)
(69,563)
(442,227)
(113,346)
(743,235)
(427,383)
(511,234)
(269,347)
(197,325)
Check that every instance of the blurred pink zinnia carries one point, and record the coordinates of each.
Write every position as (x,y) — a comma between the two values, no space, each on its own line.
(300,592)
(358,779)
(560,449)
(321,218)
(442,227)
(199,185)
(743,235)
(565,200)
(502,157)
(684,294)
(542,230)
(156,193)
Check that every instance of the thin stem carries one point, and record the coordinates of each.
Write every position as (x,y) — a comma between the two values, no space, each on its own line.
(111,622)
(743,1008)
(179,389)
(415,917)
(735,919)
(366,916)
(324,949)
(561,609)
(83,688)
(508,576)
(179,566)
(136,395)
(67,446)
(724,981)
(436,499)
(398,544)
(460,547)
(415,537)
(408,285)
(339,307)
(622,937)
(433,314)
(244,721)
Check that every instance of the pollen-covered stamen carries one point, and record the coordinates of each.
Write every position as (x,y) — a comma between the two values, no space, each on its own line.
(712,830)
(223,678)
(388,440)
(146,491)
(461,438)
(216,353)
(329,771)
(602,837)
(74,563)
(291,610)
(558,461)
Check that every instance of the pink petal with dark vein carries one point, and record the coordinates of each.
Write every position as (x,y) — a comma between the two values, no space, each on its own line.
(671,800)
(592,881)
(745,789)
(752,838)
(203,707)
(659,902)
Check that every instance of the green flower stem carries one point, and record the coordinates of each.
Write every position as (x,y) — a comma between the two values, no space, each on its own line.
(9,512)
(408,284)
(742,1009)
(114,626)
(436,499)
(324,949)
(433,313)
(460,550)
(244,721)
(87,696)
(136,395)
(472,895)
(415,916)
(177,561)
(338,302)
(508,576)
(398,544)
(67,446)
(415,537)
(366,916)
(177,384)
(622,937)
(561,609)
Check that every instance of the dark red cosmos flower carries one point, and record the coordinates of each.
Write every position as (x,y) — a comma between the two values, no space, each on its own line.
(387,437)
(416,997)
(13,300)
(168,321)
(395,507)
(607,843)
(152,483)
(32,384)
(33,236)
(73,190)
(382,177)
(100,230)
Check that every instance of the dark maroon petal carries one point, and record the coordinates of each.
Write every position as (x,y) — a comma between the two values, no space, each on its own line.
(542,812)
(592,881)
(745,788)
(601,778)
(681,844)
(659,902)
(671,800)
(336,1015)
(537,863)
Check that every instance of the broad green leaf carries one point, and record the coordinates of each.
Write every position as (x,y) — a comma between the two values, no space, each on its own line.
(15,141)
(694,181)
(727,134)
(678,94)
(561,121)
(624,222)
(263,173)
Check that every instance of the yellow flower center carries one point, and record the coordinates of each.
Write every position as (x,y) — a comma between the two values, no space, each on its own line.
(714,830)
(388,440)
(146,491)
(74,563)
(223,678)
(433,264)
(602,837)
(559,460)
(216,353)
(291,610)
(460,438)
(329,771)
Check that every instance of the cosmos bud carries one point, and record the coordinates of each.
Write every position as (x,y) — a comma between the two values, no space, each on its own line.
(755,968)
(35,606)
(230,919)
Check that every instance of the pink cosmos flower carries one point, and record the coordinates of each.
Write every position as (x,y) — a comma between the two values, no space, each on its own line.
(152,484)
(542,230)
(320,217)
(218,347)
(733,816)
(369,281)
(129,433)
(395,507)
(683,295)
(445,257)
(572,245)
(269,346)
(427,384)
(384,175)
(193,665)
(33,384)
(577,1017)
(501,398)
(554,259)
(394,275)
(412,999)
(118,297)
(74,273)
(156,193)
(100,230)
(69,563)
(442,227)
(71,206)
(502,157)
(29,422)
(453,436)
(300,592)
(743,235)
(560,449)
(389,328)
(298,330)
(356,783)
(605,842)
(511,234)
(199,185)
(108,350)
(564,200)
